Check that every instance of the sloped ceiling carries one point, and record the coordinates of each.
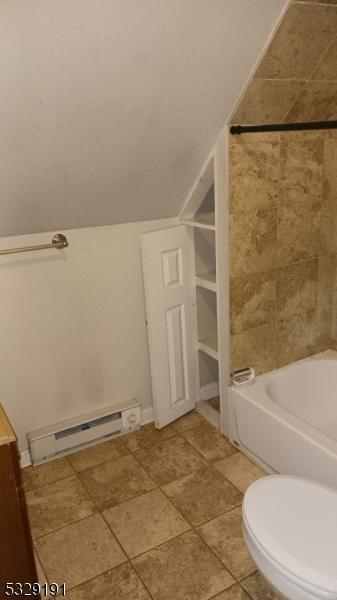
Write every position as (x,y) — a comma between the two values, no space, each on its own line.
(297,77)
(109,108)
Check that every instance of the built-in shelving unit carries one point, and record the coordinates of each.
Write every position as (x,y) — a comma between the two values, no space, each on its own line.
(209,345)
(206,215)
(200,215)
(207,281)
(204,221)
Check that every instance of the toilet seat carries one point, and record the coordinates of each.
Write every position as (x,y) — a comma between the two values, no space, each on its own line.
(293,523)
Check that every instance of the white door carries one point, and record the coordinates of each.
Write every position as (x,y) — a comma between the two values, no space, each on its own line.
(168,256)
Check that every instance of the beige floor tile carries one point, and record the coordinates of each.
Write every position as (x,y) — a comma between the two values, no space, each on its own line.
(224,536)
(257,588)
(234,593)
(57,505)
(146,436)
(116,481)
(170,460)
(181,569)
(239,470)
(79,552)
(33,477)
(42,579)
(209,442)
(188,421)
(145,522)
(95,455)
(121,583)
(203,495)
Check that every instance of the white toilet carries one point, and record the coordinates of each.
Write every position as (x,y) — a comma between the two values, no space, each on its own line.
(290,528)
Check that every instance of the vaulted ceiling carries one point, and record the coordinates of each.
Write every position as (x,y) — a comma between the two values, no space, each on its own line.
(108,109)
(297,77)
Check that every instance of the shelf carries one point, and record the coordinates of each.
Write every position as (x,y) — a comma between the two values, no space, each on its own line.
(207,281)
(209,345)
(202,220)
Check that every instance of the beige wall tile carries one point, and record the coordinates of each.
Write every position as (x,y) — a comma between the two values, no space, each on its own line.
(252,244)
(330,2)
(296,288)
(79,552)
(224,536)
(301,166)
(325,337)
(252,300)
(267,101)
(316,102)
(183,568)
(327,231)
(327,280)
(303,36)
(288,137)
(122,583)
(254,348)
(295,81)
(254,138)
(330,174)
(203,495)
(298,232)
(328,220)
(327,67)
(254,176)
(296,337)
(334,326)
(145,522)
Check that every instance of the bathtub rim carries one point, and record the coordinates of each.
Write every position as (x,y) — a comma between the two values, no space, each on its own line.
(256,393)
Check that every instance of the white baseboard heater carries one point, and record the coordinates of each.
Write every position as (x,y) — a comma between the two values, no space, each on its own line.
(77,433)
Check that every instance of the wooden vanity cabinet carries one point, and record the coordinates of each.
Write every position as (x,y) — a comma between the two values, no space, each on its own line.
(17,563)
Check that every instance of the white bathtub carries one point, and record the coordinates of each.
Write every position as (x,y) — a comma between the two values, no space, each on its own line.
(287,419)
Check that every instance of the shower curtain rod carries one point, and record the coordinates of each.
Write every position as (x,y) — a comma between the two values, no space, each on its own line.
(58,241)
(238,129)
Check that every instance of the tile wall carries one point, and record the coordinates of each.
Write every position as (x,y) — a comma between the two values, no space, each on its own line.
(283,247)
(297,77)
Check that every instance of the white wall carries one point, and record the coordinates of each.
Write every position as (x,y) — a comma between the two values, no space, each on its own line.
(72,325)
(105,101)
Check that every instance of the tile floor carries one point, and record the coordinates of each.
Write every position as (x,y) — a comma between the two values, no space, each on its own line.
(153,514)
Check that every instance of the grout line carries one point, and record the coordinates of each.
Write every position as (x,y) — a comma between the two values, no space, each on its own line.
(236,584)
(158,486)
(35,550)
(78,473)
(40,537)
(38,487)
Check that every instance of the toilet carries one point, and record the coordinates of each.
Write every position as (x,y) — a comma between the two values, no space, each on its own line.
(290,528)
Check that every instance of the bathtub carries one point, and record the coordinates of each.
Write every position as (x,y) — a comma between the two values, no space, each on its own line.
(286,420)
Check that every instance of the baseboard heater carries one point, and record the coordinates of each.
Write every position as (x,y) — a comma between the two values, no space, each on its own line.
(79,432)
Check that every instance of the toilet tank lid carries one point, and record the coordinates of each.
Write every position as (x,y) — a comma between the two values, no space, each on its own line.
(295,521)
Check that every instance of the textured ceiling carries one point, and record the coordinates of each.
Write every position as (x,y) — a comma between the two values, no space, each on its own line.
(297,77)
(108,109)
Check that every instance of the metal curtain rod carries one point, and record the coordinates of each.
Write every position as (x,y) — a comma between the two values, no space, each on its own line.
(238,129)
(58,241)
